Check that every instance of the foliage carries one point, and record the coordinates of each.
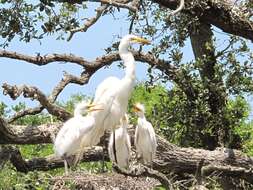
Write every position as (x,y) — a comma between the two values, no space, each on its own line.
(172,117)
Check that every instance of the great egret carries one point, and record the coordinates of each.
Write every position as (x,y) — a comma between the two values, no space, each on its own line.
(113,93)
(122,143)
(68,139)
(145,139)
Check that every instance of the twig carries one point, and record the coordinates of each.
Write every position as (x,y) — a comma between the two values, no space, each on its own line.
(181,6)
(145,171)
(89,22)
(29,111)
(67,79)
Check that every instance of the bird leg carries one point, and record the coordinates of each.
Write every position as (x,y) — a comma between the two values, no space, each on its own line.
(114,147)
(66,167)
(103,157)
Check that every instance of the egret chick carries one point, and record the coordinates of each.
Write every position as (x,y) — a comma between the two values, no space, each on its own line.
(122,144)
(68,139)
(145,139)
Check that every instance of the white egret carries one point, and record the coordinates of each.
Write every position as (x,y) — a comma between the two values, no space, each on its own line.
(68,139)
(145,139)
(122,144)
(113,93)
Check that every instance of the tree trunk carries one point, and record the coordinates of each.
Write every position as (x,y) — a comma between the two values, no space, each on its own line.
(170,158)
(201,37)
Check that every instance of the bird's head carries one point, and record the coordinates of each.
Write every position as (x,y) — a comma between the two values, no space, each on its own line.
(94,107)
(86,107)
(129,39)
(139,109)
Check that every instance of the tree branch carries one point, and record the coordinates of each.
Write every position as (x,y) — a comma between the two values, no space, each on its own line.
(22,113)
(89,22)
(43,164)
(117,3)
(229,171)
(146,172)
(92,66)
(21,134)
(222,14)
(43,60)
(35,93)
(68,78)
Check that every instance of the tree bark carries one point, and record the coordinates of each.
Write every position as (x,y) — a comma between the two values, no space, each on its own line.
(222,14)
(170,158)
(201,37)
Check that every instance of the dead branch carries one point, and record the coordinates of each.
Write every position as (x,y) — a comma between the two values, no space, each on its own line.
(35,93)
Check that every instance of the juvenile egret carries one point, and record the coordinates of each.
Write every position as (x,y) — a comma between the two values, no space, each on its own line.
(122,144)
(113,93)
(145,139)
(68,139)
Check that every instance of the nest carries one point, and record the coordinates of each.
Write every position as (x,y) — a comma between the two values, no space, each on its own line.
(102,181)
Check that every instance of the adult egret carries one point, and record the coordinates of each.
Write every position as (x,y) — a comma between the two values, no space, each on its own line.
(113,93)
(122,143)
(68,139)
(145,139)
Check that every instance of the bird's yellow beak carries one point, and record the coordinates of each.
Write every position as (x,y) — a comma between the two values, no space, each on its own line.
(136,109)
(140,40)
(94,107)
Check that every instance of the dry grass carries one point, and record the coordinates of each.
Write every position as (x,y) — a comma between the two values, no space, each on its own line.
(102,181)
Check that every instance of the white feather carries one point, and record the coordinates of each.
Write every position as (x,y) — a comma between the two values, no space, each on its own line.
(122,144)
(145,138)
(69,137)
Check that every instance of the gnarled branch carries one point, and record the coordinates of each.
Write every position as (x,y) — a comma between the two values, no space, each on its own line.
(35,93)
(222,14)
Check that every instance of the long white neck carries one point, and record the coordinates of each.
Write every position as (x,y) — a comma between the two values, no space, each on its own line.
(128,59)
(128,81)
(142,116)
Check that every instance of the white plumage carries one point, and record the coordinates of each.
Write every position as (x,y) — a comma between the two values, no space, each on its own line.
(113,93)
(122,145)
(145,139)
(68,139)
